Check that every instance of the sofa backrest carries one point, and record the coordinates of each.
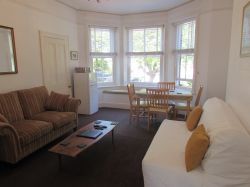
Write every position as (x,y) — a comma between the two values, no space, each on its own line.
(218,115)
(227,160)
(33,100)
(10,107)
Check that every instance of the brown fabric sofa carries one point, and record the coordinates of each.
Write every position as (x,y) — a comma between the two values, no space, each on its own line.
(29,126)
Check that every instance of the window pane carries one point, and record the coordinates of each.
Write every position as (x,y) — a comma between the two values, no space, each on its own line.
(145,69)
(185,60)
(159,46)
(103,67)
(151,40)
(186,66)
(92,33)
(186,35)
(101,40)
(138,40)
(106,41)
(145,40)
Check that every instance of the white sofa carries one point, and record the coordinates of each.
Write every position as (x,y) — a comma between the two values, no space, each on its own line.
(226,163)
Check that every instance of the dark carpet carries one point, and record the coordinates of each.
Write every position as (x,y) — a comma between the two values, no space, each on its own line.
(100,165)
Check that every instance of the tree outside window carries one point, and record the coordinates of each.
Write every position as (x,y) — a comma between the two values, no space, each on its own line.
(144,56)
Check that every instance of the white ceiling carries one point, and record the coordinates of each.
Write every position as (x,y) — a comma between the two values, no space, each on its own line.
(123,6)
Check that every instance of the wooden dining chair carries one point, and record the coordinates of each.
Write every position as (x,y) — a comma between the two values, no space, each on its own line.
(184,107)
(137,105)
(167,85)
(157,102)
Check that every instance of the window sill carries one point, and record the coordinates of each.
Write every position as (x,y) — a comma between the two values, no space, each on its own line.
(108,86)
(115,91)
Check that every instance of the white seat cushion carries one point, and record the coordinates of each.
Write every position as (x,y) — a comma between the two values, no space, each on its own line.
(164,163)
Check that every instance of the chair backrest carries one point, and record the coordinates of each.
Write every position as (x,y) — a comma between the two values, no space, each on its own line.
(157,98)
(131,92)
(197,101)
(167,85)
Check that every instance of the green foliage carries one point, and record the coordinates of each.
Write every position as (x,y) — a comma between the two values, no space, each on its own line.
(101,64)
(150,65)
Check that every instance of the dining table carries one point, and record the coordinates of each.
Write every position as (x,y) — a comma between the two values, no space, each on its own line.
(177,95)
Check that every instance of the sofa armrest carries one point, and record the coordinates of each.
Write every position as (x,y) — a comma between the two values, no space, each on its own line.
(10,149)
(72,105)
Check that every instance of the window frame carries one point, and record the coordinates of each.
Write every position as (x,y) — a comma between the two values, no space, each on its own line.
(130,54)
(178,52)
(112,55)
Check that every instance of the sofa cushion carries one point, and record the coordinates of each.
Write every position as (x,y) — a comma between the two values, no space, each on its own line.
(30,130)
(56,101)
(58,119)
(196,148)
(10,107)
(33,100)
(193,118)
(227,160)
(164,163)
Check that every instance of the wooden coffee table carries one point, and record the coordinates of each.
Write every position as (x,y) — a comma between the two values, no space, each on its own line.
(70,145)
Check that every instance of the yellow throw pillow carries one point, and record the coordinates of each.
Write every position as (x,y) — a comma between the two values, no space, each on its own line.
(194,117)
(196,148)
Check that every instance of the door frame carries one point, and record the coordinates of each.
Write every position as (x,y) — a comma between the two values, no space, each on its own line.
(42,36)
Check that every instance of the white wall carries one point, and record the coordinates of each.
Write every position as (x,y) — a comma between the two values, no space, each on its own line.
(238,89)
(214,30)
(28,17)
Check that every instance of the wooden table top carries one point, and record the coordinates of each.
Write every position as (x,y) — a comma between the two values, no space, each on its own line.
(177,94)
(71,149)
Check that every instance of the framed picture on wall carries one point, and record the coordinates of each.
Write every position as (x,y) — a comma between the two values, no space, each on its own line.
(74,55)
(245,33)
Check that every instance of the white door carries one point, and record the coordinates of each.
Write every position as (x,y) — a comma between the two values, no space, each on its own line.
(55,58)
